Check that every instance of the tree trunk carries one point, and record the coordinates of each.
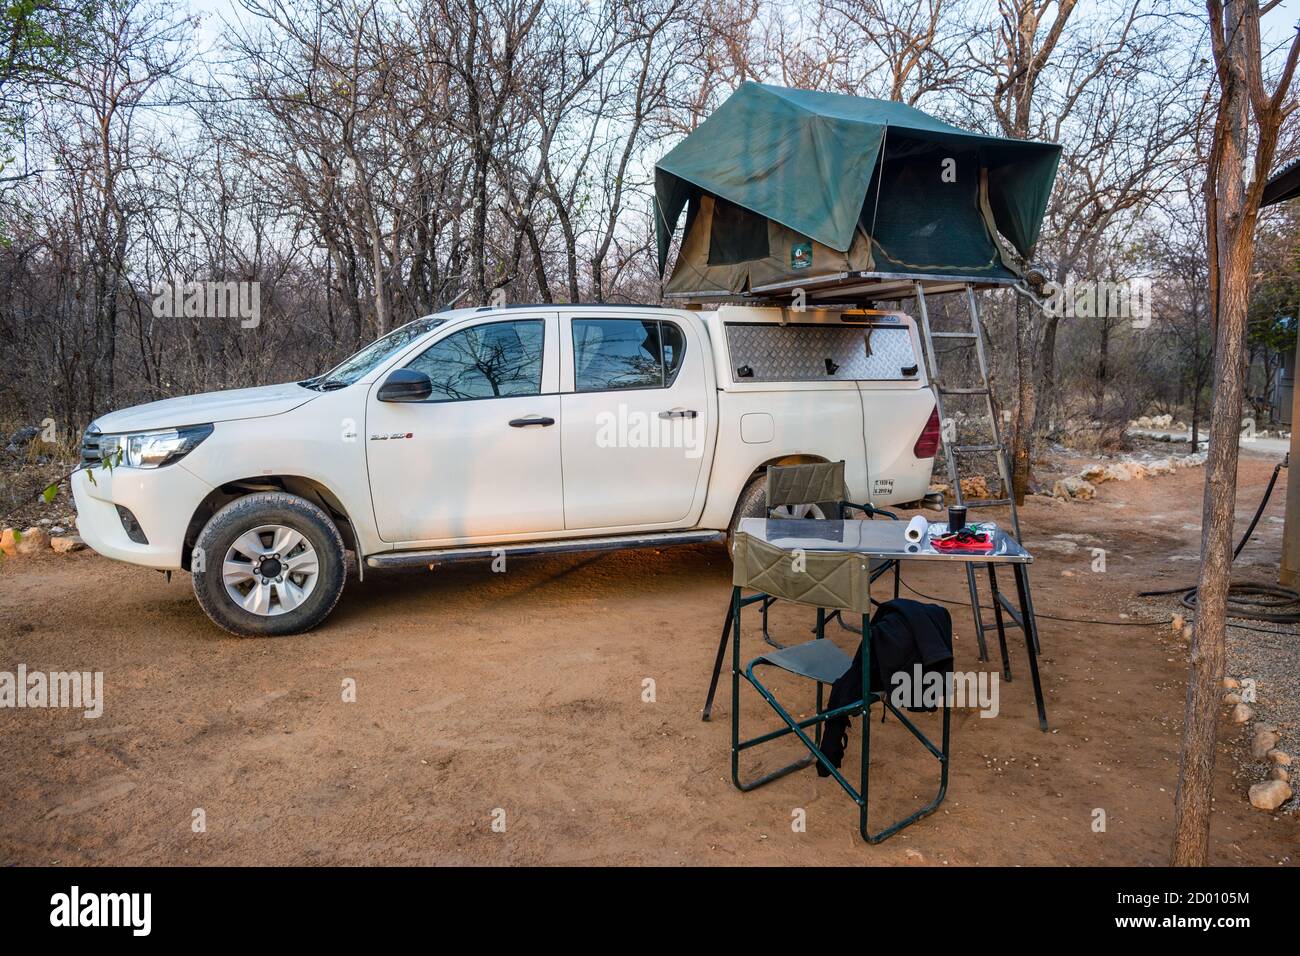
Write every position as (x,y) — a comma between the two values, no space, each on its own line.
(1022,444)
(1103,357)
(1047,385)
(1231,242)
(1192,802)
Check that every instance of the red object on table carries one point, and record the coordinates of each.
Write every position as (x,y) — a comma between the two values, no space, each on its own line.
(964,541)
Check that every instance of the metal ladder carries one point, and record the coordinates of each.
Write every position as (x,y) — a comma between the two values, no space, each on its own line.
(953,450)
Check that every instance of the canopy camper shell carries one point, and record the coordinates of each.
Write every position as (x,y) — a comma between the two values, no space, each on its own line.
(845,198)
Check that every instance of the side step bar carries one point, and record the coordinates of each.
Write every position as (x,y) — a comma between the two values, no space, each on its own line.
(660,539)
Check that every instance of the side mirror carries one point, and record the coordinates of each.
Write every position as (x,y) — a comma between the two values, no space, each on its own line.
(405,385)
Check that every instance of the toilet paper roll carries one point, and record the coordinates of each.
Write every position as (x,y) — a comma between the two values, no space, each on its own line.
(917,529)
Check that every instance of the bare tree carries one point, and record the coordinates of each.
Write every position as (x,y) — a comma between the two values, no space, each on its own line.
(1248,119)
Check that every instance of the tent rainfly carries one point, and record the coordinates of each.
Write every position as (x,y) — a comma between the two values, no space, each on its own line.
(787,188)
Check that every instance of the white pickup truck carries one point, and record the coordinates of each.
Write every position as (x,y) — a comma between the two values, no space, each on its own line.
(490,431)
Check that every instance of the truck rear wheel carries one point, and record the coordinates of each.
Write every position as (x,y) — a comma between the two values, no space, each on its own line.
(753,504)
(269,564)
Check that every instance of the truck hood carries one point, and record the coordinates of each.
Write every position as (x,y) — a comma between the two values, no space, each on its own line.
(227,406)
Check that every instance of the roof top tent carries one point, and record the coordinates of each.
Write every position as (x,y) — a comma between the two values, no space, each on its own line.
(846,198)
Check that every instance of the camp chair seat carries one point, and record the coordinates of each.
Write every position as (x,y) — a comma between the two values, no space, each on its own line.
(817,660)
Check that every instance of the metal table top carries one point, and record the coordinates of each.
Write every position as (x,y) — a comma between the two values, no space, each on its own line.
(876,539)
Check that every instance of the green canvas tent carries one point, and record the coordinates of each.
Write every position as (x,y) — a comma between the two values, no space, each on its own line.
(786,188)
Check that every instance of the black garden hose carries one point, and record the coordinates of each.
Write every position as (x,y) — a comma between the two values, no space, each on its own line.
(1247,600)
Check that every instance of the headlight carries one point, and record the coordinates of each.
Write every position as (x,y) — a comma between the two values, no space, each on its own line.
(152,449)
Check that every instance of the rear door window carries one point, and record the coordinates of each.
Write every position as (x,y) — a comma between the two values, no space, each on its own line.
(612,354)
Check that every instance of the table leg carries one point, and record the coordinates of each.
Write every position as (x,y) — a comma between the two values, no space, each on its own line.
(976,610)
(717,664)
(1031,640)
(1029,596)
(997,617)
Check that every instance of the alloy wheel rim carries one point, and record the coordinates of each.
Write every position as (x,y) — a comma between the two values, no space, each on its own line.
(270,570)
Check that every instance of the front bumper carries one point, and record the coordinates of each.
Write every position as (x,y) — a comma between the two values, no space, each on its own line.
(162,499)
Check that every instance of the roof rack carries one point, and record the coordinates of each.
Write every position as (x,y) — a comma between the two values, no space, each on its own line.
(845,288)
(568,305)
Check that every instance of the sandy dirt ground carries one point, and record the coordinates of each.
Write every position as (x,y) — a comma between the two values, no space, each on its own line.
(524,692)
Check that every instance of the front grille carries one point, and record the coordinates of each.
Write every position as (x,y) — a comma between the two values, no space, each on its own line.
(90,447)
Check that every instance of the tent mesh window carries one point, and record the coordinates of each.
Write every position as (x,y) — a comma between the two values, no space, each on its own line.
(736,235)
(922,211)
(820,353)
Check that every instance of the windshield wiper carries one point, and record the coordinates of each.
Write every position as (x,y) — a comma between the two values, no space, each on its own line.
(331,384)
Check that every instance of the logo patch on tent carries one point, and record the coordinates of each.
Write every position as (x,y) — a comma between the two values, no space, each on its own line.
(801,255)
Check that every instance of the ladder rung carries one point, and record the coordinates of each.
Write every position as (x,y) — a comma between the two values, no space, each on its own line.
(993,625)
(975,448)
(963,391)
(987,503)
(953,335)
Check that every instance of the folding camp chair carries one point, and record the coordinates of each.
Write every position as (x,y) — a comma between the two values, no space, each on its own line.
(838,580)
(794,490)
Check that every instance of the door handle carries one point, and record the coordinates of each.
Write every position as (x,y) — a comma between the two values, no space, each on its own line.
(525,422)
(679,413)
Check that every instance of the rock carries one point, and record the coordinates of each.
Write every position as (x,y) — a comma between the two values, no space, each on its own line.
(1270,794)
(1279,773)
(7,543)
(1176,625)
(56,530)
(1074,487)
(1228,698)
(1262,743)
(1187,633)
(67,544)
(1280,757)
(976,487)
(1125,471)
(1242,713)
(24,434)
(33,540)
(1231,683)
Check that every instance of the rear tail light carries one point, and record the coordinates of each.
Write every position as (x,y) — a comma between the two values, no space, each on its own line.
(928,443)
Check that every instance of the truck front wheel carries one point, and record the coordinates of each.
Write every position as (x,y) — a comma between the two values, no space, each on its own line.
(269,564)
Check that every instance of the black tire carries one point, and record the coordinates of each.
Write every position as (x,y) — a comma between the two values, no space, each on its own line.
(244,515)
(751,504)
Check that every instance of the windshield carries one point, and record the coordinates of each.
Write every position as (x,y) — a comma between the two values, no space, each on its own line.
(351,369)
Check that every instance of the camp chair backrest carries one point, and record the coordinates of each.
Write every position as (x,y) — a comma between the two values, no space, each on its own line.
(826,579)
(806,484)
